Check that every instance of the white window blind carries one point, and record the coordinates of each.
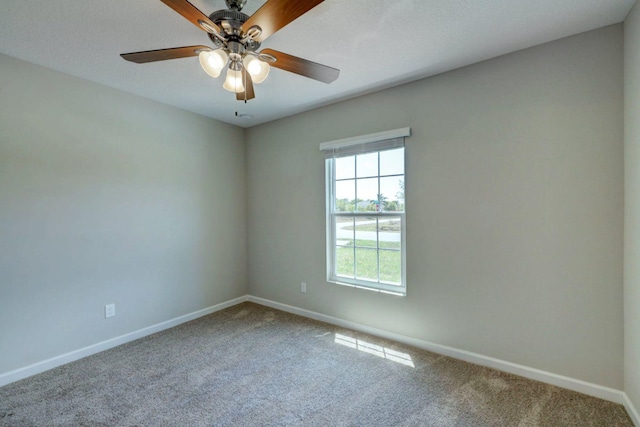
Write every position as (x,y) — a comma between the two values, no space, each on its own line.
(366,143)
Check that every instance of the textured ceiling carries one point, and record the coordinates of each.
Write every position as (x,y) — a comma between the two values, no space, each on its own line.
(375,44)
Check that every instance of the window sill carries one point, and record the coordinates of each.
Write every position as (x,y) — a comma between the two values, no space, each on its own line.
(371,289)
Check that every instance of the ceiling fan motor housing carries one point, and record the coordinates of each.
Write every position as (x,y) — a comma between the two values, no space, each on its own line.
(231,23)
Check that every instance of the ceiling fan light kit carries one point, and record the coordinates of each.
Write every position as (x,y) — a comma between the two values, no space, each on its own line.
(238,37)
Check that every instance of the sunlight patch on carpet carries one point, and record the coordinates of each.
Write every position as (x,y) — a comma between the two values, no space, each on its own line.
(376,350)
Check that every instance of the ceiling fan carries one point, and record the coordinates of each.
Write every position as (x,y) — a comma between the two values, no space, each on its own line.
(238,37)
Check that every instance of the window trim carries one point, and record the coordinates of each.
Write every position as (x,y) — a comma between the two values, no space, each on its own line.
(331,148)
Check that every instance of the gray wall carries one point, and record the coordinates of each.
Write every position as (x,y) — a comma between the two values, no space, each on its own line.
(109,198)
(632,206)
(515,208)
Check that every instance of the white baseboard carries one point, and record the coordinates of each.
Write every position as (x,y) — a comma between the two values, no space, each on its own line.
(631,410)
(56,361)
(580,386)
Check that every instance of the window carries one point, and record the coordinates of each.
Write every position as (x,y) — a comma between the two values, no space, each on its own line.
(366,211)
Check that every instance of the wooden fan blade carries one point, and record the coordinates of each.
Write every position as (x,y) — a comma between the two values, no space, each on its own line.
(275,14)
(193,14)
(163,54)
(303,67)
(248,87)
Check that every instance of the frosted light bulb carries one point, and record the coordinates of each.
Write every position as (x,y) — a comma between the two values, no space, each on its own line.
(254,68)
(258,69)
(213,61)
(233,82)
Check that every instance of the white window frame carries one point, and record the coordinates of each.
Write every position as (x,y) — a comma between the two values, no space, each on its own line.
(362,144)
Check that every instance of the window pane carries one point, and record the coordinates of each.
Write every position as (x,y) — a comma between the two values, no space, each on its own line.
(367,195)
(389,232)
(392,162)
(400,195)
(346,167)
(345,195)
(390,267)
(392,193)
(367,165)
(344,230)
(367,264)
(344,262)
(366,235)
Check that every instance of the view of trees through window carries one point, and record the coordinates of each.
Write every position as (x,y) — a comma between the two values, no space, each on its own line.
(371,182)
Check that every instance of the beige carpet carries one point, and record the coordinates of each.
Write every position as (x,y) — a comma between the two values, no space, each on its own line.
(254,366)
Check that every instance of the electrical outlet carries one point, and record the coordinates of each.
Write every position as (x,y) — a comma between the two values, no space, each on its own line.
(109,310)
(303,287)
